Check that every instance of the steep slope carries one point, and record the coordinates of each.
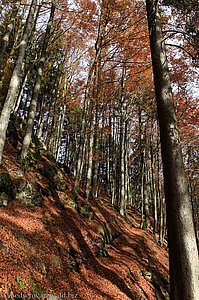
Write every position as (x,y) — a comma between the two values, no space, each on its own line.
(51,245)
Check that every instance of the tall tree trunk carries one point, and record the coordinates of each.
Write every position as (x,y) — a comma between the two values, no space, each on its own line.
(18,37)
(126,169)
(190,175)
(146,196)
(153,184)
(15,79)
(96,165)
(160,198)
(23,106)
(5,40)
(60,130)
(33,105)
(48,127)
(122,204)
(90,158)
(104,19)
(82,137)
(41,118)
(113,164)
(142,168)
(183,253)
(18,100)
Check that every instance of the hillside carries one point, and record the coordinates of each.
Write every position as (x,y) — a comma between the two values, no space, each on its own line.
(50,244)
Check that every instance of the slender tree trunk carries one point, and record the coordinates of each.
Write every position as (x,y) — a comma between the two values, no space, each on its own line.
(96,165)
(40,124)
(122,170)
(23,108)
(146,197)
(142,168)
(48,128)
(90,158)
(161,216)
(126,170)
(50,120)
(5,40)
(122,204)
(82,139)
(153,184)
(113,165)
(183,253)
(60,130)
(33,105)
(104,18)
(18,100)
(15,80)
(17,40)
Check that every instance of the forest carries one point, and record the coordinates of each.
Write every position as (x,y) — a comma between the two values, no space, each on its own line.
(108,89)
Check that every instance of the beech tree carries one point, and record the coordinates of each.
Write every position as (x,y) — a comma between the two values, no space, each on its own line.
(183,253)
(103,22)
(33,105)
(15,79)
(87,85)
(5,40)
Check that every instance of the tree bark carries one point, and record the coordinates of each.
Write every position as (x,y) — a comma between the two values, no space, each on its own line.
(146,196)
(122,203)
(183,253)
(6,38)
(153,183)
(15,80)
(142,168)
(18,100)
(33,105)
(90,158)
(96,164)
(103,21)
(160,198)
(60,131)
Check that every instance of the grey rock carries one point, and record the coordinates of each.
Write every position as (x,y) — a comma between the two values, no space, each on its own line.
(4,199)
(29,194)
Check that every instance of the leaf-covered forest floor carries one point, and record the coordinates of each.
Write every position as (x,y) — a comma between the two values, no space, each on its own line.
(74,250)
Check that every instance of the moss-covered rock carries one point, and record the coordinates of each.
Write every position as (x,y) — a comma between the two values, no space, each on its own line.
(29,162)
(4,199)
(25,165)
(72,204)
(29,194)
(61,185)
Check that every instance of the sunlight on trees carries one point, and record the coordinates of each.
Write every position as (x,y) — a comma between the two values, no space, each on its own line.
(80,73)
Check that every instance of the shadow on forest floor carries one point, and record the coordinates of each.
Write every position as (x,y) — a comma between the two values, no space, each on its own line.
(56,248)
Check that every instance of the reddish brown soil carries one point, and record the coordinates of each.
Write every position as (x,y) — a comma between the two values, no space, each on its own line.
(55,250)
